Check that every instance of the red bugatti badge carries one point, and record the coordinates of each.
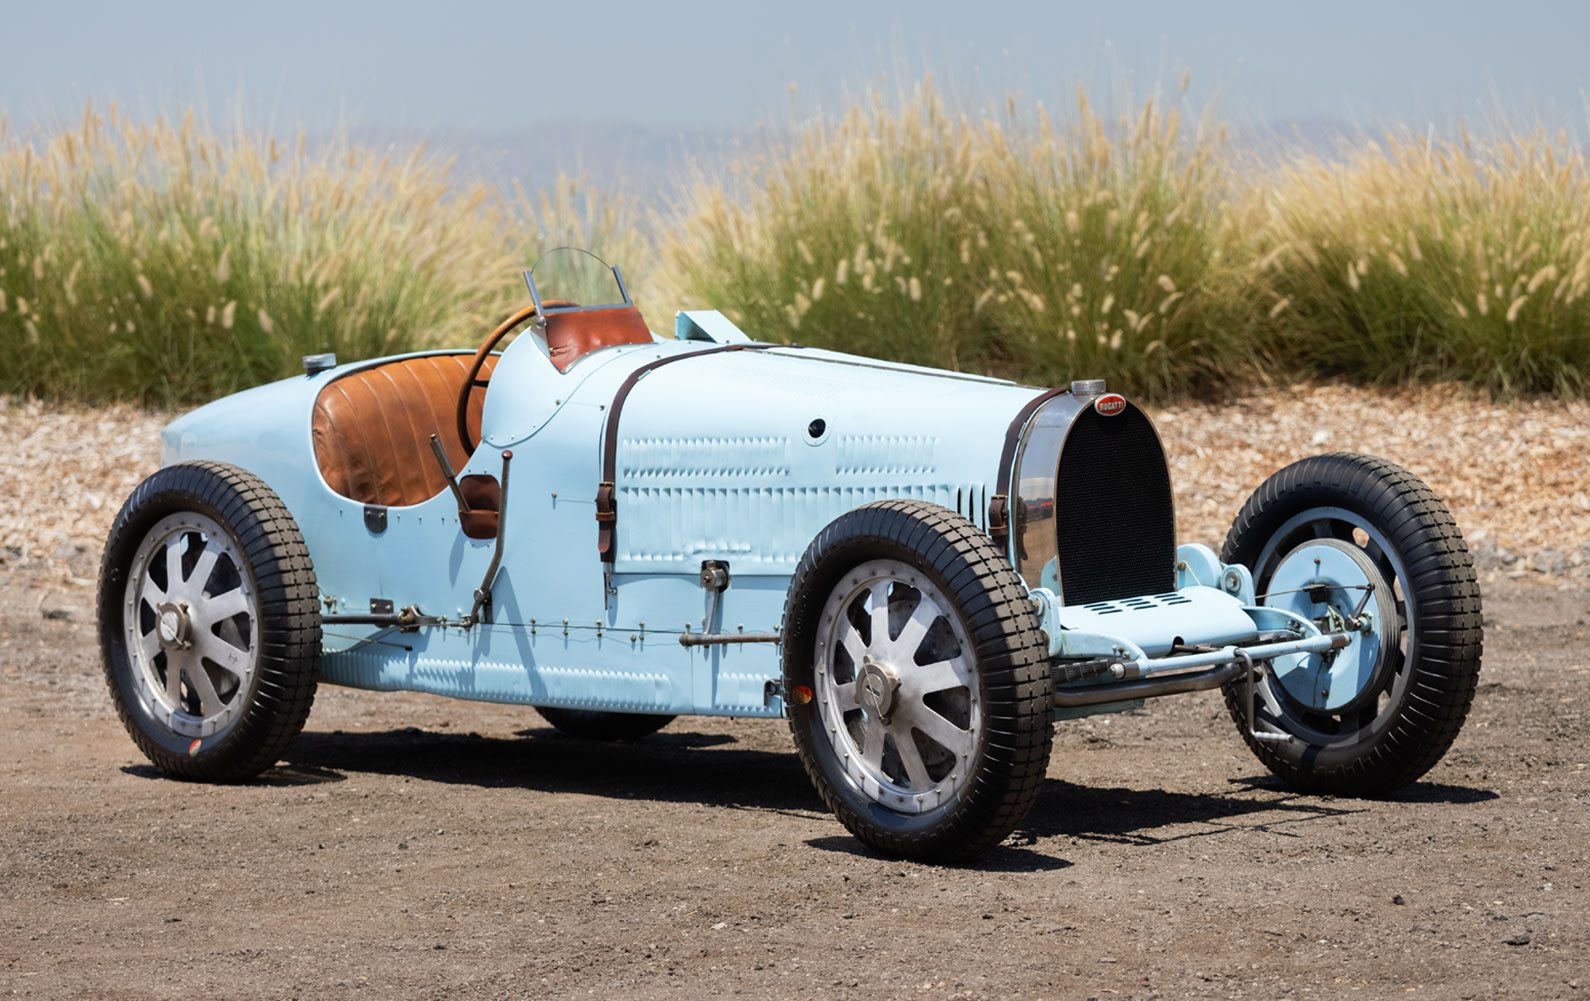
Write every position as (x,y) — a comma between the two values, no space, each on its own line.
(1110,404)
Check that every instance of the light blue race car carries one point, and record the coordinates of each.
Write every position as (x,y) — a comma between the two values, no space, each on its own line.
(921,570)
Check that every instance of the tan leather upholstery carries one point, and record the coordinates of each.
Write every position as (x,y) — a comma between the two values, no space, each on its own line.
(571,335)
(372,429)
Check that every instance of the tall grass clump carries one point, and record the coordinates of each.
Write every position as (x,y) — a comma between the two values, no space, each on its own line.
(1112,260)
(848,235)
(1422,260)
(165,263)
(168,263)
(1019,246)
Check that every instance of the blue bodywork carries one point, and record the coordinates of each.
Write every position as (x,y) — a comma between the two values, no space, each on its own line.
(740,457)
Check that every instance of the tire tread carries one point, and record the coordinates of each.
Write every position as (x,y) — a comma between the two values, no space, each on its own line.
(1003,629)
(288,611)
(1447,601)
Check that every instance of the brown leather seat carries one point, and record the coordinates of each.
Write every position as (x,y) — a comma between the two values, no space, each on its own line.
(570,336)
(372,429)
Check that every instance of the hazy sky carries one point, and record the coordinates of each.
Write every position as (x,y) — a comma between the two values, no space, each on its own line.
(695,63)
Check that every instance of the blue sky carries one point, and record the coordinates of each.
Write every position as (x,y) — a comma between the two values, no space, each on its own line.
(697,64)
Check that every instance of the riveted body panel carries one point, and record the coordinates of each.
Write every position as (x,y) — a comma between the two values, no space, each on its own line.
(739,476)
(717,459)
(738,457)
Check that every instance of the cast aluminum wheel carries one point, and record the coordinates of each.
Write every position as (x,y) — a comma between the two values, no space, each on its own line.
(895,687)
(916,681)
(192,625)
(209,622)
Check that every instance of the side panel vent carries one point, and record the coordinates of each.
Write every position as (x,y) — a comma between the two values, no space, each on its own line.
(972,501)
(1115,524)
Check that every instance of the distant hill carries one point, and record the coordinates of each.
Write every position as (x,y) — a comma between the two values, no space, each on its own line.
(644,161)
(1287,137)
(650,162)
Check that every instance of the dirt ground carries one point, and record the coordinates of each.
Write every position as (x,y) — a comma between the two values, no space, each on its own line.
(413,847)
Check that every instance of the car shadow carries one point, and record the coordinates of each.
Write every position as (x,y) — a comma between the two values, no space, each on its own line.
(1417,792)
(1156,816)
(1435,792)
(713,769)
(283,775)
(667,767)
(670,767)
(1008,857)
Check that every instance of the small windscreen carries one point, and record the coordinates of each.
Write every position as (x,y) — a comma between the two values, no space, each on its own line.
(569,278)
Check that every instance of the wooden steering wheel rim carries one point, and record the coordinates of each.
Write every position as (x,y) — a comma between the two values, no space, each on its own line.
(474,370)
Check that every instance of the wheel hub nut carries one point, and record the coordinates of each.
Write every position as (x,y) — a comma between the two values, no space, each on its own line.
(173,625)
(875,688)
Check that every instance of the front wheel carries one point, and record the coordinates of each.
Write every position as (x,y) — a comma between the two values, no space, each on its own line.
(1362,546)
(209,623)
(919,695)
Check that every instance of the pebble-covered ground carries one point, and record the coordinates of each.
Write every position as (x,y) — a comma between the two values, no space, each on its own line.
(1516,477)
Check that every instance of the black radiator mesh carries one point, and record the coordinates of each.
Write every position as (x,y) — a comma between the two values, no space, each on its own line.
(1115,519)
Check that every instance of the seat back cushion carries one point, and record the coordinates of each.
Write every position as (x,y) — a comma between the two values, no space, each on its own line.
(372,428)
(572,335)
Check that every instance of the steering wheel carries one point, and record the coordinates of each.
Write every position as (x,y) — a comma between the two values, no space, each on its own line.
(472,380)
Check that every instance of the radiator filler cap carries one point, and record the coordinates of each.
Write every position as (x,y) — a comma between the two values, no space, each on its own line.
(1087,390)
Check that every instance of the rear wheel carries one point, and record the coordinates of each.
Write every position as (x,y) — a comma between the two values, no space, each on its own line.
(918,691)
(1363,546)
(209,622)
(594,724)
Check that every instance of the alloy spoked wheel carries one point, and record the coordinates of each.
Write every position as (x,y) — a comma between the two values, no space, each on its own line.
(917,688)
(895,687)
(209,622)
(192,623)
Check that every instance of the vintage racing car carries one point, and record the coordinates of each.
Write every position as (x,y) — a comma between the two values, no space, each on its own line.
(921,570)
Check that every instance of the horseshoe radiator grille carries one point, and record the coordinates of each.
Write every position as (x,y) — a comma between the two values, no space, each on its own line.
(1115,521)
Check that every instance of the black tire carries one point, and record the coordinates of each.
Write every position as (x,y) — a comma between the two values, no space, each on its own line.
(1419,701)
(970,687)
(214,681)
(594,724)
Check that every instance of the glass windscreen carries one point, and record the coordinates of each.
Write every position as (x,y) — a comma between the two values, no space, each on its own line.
(570,278)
